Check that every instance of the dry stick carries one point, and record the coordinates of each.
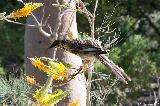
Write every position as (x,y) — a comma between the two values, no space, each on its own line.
(42,17)
(93,20)
(88,102)
(29,25)
(18,23)
(86,12)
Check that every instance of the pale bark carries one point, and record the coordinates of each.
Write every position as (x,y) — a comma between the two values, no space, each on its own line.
(36,45)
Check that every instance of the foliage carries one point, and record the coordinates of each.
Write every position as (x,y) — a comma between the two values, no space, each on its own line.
(44,98)
(11,38)
(134,57)
(17,92)
(14,92)
(130,17)
(11,44)
(55,70)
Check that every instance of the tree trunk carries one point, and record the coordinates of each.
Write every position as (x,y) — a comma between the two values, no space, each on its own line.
(36,46)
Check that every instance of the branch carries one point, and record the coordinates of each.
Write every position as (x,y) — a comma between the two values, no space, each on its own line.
(39,25)
(83,9)
(14,22)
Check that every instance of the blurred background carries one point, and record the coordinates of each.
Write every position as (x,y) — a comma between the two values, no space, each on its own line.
(131,28)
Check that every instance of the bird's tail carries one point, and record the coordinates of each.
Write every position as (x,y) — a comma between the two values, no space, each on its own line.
(118,71)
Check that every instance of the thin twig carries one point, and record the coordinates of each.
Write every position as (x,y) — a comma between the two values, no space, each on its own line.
(45,21)
(93,20)
(14,22)
(42,16)
(95,8)
(84,10)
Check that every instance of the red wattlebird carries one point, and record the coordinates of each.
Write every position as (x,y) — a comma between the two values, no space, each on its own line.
(87,49)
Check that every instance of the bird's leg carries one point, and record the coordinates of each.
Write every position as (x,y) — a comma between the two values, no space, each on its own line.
(90,65)
(86,65)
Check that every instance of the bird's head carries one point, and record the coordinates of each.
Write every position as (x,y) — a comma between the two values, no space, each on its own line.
(59,44)
(55,44)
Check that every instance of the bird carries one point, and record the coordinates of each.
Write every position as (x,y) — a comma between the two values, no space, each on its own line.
(88,49)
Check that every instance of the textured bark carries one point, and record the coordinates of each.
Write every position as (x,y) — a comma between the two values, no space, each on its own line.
(36,45)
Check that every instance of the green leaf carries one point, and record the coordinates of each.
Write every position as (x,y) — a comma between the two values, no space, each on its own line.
(56,96)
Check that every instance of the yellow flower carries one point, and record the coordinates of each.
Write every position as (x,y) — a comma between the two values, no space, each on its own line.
(56,70)
(25,11)
(37,95)
(60,69)
(46,99)
(74,103)
(56,96)
(30,79)
(40,96)
(70,35)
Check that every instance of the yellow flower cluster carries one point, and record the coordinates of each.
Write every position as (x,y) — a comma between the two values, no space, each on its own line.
(30,80)
(56,70)
(25,11)
(46,99)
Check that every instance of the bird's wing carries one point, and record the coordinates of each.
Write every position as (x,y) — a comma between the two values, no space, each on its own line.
(91,48)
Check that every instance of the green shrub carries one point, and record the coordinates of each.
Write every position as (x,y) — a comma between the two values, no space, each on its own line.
(139,63)
(14,92)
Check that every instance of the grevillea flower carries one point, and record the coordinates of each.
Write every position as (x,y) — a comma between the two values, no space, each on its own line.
(46,99)
(30,80)
(56,70)
(25,11)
